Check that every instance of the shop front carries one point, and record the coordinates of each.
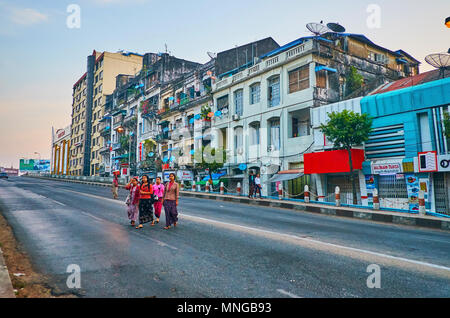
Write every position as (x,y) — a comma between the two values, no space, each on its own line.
(398,183)
(329,169)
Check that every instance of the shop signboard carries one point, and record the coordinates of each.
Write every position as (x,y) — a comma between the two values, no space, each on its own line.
(427,161)
(185,175)
(393,167)
(443,162)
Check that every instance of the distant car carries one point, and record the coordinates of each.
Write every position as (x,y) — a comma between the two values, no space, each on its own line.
(3,175)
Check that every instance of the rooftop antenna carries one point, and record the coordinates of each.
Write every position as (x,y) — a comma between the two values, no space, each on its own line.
(440,61)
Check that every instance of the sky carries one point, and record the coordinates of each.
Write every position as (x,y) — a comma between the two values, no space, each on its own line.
(41,57)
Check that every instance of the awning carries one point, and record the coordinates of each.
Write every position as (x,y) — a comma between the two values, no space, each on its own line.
(326,68)
(236,176)
(121,157)
(403,61)
(286,175)
(164,122)
(215,176)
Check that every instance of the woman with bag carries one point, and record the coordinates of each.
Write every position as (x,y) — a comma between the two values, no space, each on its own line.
(145,203)
(170,201)
(133,200)
(158,192)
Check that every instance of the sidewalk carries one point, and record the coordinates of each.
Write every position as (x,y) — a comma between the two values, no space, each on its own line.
(401,218)
(6,289)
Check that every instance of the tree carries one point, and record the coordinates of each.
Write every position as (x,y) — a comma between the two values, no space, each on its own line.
(447,125)
(347,129)
(354,81)
(210,158)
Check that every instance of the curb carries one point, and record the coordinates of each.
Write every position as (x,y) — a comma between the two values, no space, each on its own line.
(399,218)
(6,289)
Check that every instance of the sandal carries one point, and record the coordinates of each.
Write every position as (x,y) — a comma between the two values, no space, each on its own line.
(166,227)
(132,223)
(140,226)
(153,223)
(175,224)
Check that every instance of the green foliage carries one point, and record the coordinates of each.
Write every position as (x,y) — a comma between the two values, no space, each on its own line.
(207,159)
(447,124)
(206,109)
(354,80)
(347,128)
(124,142)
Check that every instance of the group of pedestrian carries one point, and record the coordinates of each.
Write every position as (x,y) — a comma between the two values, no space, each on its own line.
(145,196)
(254,185)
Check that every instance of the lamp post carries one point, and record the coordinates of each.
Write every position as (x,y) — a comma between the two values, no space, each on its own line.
(37,153)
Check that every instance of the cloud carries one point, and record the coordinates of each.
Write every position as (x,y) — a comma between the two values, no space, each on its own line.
(27,16)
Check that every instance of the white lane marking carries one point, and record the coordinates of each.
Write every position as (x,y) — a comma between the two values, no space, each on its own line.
(92,216)
(295,237)
(282,291)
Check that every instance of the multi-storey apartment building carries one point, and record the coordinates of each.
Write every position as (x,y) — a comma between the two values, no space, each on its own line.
(132,94)
(88,107)
(262,110)
(78,127)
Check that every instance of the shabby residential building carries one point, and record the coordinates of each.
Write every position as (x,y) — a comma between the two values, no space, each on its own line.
(127,130)
(262,110)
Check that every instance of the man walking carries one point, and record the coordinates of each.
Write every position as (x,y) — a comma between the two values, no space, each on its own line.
(115,187)
(251,183)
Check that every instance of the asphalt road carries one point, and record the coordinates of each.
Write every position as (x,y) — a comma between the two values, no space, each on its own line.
(219,249)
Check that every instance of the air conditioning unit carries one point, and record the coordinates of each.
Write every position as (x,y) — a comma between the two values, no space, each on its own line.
(236,117)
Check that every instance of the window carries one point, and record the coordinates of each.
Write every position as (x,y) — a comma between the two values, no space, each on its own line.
(299,79)
(300,123)
(238,102)
(254,134)
(100,75)
(275,141)
(93,131)
(274,91)
(238,139)
(96,79)
(255,93)
(95,92)
(321,79)
(100,88)
(222,102)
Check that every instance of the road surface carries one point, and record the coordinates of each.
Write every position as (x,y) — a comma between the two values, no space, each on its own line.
(219,249)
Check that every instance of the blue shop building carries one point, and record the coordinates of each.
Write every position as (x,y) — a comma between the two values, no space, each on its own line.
(408,149)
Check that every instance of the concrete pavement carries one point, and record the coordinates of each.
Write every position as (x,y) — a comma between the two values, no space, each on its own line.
(220,249)
(6,289)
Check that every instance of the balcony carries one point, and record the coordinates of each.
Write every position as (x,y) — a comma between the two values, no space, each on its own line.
(163,136)
(116,146)
(326,95)
(104,149)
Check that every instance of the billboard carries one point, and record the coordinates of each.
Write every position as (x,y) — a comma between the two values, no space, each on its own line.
(41,165)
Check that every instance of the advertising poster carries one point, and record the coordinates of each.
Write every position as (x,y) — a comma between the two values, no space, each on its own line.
(371,183)
(34,165)
(412,187)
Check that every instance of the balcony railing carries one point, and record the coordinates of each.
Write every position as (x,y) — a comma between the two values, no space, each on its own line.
(326,94)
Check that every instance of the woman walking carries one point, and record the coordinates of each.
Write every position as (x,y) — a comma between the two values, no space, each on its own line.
(170,202)
(158,190)
(133,200)
(145,203)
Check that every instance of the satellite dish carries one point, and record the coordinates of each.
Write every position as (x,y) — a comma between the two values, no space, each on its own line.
(317,28)
(336,27)
(212,55)
(440,61)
